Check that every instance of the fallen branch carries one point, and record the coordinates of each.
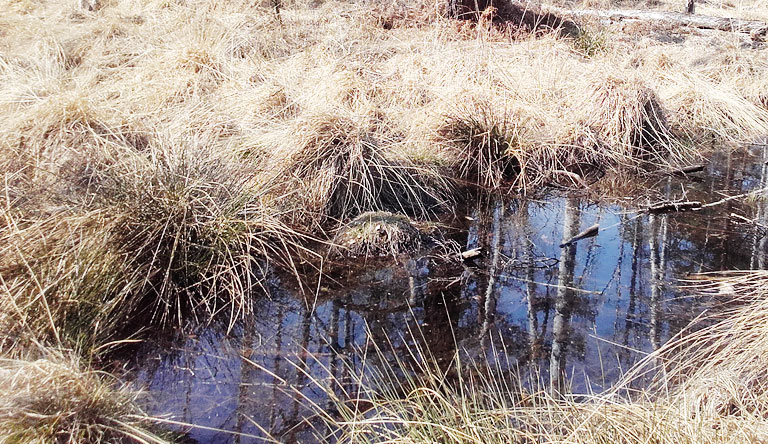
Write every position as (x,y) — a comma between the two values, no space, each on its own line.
(749,221)
(589,232)
(669,207)
(756,29)
(471,254)
(685,171)
(737,196)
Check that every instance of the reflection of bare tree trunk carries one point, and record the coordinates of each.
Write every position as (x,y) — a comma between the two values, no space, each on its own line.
(185,415)
(276,368)
(658,265)
(418,272)
(301,373)
(413,299)
(349,332)
(763,244)
(630,321)
(616,276)
(760,239)
(247,373)
(334,348)
(471,289)
(490,295)
(564,298)
(530,286)
(728,207)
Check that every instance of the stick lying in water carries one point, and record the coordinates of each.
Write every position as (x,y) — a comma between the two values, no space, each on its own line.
(669,207)
(748,220)
(472,253)
(589,232)
(688,170)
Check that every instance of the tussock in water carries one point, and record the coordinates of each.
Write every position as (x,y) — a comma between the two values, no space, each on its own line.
(158,156)
(187,229)
(486,144)
(626,117)
(377,234)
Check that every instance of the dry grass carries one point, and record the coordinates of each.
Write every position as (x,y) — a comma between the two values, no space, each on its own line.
(61,280)
(720,370)
(340,167)
(52,399)
(389,96)
(185,228)
(189,142)
(738,9)
(159,156)
(626,116)
(487,145)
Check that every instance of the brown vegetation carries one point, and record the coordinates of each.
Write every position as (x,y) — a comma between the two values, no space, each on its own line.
(52,399)
(160,158)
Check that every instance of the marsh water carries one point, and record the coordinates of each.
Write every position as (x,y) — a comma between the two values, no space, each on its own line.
(577,317)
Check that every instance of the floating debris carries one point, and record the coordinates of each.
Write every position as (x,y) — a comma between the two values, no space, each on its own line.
(471,254)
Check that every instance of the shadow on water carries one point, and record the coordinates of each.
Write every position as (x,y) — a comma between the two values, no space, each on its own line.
(577,317)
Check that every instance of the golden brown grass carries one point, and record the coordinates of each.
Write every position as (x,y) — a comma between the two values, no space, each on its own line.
(338,167)
(158,156)
(190,142)
(291,86)
(52,399)
(185,228)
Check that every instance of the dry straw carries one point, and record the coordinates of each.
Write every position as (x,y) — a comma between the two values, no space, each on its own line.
(52,399)
(159,159)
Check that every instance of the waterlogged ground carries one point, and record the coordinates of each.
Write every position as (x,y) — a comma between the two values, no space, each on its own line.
(575,317)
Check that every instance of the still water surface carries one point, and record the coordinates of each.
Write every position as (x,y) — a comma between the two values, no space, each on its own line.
(577,316)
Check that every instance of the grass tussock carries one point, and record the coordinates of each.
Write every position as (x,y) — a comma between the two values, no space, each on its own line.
(486,145)
(191,155)
(720,370)
(162,156)
(159,159)
(378,234)
(152,235)
(626,116)
(340,167)
(62,280)
(719,111)
(52,399)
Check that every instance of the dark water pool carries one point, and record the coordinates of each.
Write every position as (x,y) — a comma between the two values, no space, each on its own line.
(576,317)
